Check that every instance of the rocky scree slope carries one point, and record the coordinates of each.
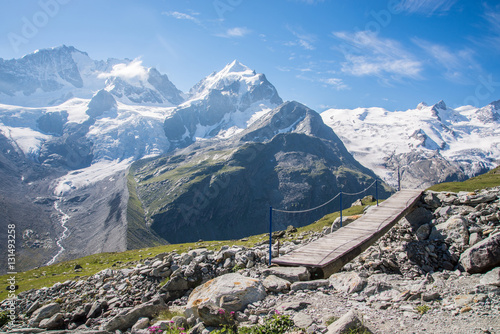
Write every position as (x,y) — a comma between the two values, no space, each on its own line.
(222,190)
(415,278)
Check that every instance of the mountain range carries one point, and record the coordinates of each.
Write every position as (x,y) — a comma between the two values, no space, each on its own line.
(109,155)
(429,144)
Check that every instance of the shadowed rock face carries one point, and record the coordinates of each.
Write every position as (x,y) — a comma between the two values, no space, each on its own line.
(102,101)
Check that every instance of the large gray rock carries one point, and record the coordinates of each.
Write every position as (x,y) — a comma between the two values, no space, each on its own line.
(454,230)
(492,277)
(175,288)
(230,292)
(291,274)
(54,322)
(347,282)
(275,284)
(128,318)
(348,323)
(44,312)
(302,320)
(483,256)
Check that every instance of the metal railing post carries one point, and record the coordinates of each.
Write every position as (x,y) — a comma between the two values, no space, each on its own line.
(270,234)
(341,209)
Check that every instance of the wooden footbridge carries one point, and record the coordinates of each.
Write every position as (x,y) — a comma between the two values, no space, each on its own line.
(330,253)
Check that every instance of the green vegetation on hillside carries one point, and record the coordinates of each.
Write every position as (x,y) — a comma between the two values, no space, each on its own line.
(138,234)
(487,180)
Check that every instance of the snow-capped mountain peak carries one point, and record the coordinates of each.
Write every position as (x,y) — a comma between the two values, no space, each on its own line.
(235,67)
(440,106)
(51,76)
(421,105)
(234,78)
(222,104)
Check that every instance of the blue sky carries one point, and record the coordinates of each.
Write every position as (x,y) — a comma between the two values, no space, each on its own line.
(343,54)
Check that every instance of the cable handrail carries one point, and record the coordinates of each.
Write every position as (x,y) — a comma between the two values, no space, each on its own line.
(302,211)
(327,202)
(360,192)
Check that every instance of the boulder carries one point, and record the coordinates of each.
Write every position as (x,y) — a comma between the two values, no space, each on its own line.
(347,282)
(128,318)
(291,274)
(348,323)
(44,312)
(483,256)
(226,293)
(423,232)
(54,322)
(302,320)
(454,230)
(175,288)
(142,323)
(418,217)
(275,284)
(492,277)
(431,199)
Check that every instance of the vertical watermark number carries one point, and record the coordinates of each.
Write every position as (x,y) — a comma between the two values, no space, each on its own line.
(11,272)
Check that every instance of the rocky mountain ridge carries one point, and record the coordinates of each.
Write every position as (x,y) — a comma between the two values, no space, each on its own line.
(417,277)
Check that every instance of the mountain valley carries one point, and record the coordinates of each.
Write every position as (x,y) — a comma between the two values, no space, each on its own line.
(103,156)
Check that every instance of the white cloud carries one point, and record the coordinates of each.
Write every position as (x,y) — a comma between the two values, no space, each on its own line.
(235,32)
(492,16)
(130,71)
(337,83)
(182,16)
(304,40)
(456,63)
(367,54)
(427,7)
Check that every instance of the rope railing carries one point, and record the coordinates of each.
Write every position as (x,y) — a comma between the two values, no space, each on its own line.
(327,202)
(271,209)
(308,210)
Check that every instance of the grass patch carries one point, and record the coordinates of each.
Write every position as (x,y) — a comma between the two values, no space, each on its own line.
(487,180)
(168,314)
(422,309)
(331,320)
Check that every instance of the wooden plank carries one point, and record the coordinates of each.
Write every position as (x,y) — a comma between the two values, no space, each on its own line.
(333,251)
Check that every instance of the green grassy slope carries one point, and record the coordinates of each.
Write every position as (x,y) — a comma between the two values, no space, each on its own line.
(487,180)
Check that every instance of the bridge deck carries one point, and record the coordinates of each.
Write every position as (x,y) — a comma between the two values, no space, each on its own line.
(330,253)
